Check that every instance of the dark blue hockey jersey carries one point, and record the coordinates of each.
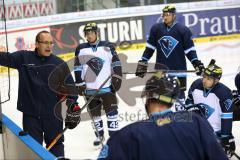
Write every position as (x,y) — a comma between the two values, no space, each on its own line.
(172,45)
(35,96)
(167,136)
(237,82)
(217,102)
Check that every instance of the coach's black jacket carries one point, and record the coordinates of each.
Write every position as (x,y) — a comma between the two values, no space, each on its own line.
(41,81)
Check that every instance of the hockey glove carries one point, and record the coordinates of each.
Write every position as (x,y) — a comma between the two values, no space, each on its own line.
(236,105)
(199,109)
(228,144)
(199,67)
(73,114)
(236,97)
(81,88)
(141,68)
(116,82)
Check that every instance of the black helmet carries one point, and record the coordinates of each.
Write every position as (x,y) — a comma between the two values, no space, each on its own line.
(169,8)
(90,27)
(214,71)
(163,88)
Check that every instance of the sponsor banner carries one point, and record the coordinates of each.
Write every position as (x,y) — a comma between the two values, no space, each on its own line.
(121,31)
(27,8)
(204,23)
(20,40)
(129,32)
(108,13)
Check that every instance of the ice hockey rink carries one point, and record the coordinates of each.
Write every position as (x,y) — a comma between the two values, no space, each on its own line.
(79,141)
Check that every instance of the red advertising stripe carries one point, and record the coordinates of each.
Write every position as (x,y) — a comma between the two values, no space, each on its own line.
(26,29)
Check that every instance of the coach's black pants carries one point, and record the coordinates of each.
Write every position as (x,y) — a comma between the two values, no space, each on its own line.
(46,128)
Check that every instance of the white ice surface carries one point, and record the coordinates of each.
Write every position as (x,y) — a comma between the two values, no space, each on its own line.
(78,142)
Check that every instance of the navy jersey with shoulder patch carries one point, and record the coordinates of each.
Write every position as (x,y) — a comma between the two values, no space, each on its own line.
(179,135)
(172,45)
(218,104)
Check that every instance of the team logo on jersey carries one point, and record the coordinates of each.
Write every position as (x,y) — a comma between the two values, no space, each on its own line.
(228,104)
(163,121)
(96,65)
(206,109)
(167,43)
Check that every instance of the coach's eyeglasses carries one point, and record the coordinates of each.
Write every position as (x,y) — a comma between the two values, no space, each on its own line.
(46,42)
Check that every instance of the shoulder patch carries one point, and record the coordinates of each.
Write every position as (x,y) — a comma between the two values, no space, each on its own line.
(227,104)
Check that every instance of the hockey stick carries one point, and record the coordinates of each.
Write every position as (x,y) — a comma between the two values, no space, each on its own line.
(85,105)
(163,70)
(89,112)
(56,139)
(237,156)
(96,92)
(95,128)
(6,39)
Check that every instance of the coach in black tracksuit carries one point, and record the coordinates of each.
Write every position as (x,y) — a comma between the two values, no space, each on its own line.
(35,98)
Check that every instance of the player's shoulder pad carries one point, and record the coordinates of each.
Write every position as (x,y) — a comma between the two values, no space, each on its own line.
(80,47)
(222,91)
(157,26)
(83,45)
(107,44)
(197,84)
(182,28)
(237,81)
(127,131)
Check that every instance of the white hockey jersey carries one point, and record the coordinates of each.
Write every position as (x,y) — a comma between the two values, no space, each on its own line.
(217,102)
(94,64)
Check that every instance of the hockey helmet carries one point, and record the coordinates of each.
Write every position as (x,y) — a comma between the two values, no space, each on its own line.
(163,88)
(237,81)
(169,8)
(214,71)
(90,27)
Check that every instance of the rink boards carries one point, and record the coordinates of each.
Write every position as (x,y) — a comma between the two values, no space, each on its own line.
(13,146)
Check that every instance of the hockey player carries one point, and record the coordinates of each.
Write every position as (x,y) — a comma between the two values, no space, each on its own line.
(214,99)
(165,135)
(95,61)
(237,81)
(173,41)
(236,99)
(36,99)
(236,93)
